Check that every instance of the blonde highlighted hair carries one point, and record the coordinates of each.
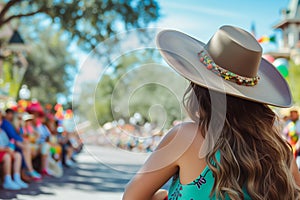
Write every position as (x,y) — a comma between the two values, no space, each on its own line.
(254,157)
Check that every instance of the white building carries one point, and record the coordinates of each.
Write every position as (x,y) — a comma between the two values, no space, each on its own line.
(290,27)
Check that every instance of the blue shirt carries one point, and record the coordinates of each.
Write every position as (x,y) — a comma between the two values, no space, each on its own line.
(11,131)
(43,132)
(4,141)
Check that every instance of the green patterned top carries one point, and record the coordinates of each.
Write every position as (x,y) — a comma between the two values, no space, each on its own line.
(199,189)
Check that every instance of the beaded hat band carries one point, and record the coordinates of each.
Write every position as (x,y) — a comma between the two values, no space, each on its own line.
(224,73)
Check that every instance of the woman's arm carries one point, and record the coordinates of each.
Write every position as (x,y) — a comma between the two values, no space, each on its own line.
(160,195)
(153,175)
(160,166)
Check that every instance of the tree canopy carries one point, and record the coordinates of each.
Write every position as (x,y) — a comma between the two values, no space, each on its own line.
(87,22)
(292,79)
(136,83)
(51,66)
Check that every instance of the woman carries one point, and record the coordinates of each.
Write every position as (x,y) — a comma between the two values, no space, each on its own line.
(232,149)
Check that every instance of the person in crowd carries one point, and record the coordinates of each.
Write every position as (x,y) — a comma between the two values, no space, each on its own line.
(72,143)
(55,158)
(67,149)
(55,147)
(43,140)
(11,160)
(291,130)
(21,146)
(29,134)
(10,115)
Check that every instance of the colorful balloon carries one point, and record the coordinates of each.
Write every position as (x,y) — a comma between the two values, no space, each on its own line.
(281,61)
(283,70)
(282,66)
(268,58)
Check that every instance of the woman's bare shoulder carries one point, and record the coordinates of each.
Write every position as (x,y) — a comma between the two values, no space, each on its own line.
(184,133)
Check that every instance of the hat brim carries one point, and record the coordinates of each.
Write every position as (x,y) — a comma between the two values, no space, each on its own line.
(27,119)
(180,52)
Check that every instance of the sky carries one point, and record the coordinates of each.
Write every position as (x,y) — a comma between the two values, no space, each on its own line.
(201,18)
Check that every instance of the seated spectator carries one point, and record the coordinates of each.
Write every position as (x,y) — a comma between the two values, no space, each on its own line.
(43,140)
(67,149)
(29,134)
(73,144)
(11,159)
(291,130)
(55,158)
(55,149)
(21,146)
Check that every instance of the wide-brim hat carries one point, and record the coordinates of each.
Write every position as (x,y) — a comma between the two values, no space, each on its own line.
(232,57)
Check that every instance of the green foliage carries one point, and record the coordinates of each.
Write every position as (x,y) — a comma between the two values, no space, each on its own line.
(50,64)
(89,22)
(293,79)
(137,83)
(11,74)
(103,99)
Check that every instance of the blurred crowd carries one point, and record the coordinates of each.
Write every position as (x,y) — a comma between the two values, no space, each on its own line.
(36,141)
(290,129)
(132,137)
(145,138)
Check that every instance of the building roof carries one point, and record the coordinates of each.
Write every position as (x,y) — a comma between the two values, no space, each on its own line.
(291,15)
(279,54)
(285,23)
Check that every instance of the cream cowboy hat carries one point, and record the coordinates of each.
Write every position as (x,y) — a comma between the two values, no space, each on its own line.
(232,56)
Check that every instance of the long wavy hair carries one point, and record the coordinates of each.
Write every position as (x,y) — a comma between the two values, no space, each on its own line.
(254,157)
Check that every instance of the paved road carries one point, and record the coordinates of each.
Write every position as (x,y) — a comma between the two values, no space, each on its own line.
(101,173)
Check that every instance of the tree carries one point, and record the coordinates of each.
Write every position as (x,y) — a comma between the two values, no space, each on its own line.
(84,22)
(137,83)
(87,22)
(292,79)
(51,67)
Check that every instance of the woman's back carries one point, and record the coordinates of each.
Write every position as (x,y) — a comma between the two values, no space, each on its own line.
(194,179)
(189,164)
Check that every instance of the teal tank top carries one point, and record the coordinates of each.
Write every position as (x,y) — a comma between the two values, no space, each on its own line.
(199,189)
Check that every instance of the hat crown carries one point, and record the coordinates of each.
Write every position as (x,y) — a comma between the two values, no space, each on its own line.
(235,50)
